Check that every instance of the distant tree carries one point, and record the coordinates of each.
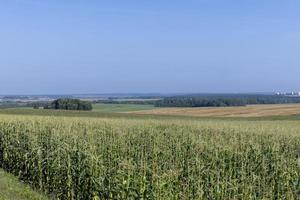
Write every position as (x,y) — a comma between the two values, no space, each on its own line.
(36,106)
(69,104)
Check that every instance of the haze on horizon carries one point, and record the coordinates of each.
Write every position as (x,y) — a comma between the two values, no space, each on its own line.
(199,46)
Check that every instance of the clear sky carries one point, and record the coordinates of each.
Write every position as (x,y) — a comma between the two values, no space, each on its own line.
(95,46)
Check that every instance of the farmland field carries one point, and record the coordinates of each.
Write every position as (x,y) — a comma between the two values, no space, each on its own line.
(149,100)
(124,156)
(243,111)
(101,107)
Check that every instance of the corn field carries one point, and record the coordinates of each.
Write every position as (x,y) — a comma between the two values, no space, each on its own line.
(86,158)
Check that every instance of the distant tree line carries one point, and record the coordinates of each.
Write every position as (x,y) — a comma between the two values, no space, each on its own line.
(226,100)
(141,102)
(4,105)
(69,104)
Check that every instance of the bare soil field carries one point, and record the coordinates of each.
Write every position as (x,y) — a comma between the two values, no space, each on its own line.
(243,111)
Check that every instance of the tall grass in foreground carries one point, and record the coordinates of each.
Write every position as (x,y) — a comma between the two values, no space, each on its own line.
(112,159)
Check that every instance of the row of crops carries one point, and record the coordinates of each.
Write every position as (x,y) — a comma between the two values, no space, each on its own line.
(76,158)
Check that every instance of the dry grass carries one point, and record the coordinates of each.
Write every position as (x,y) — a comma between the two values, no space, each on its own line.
(245,111)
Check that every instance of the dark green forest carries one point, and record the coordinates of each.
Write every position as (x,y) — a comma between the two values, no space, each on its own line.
(224,100)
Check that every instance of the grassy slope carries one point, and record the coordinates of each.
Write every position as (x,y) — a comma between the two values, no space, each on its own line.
(12,189)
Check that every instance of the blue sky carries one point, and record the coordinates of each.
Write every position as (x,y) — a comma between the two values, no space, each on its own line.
(89,46)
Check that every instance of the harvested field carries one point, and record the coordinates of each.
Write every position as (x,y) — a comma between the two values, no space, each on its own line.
(244,111)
